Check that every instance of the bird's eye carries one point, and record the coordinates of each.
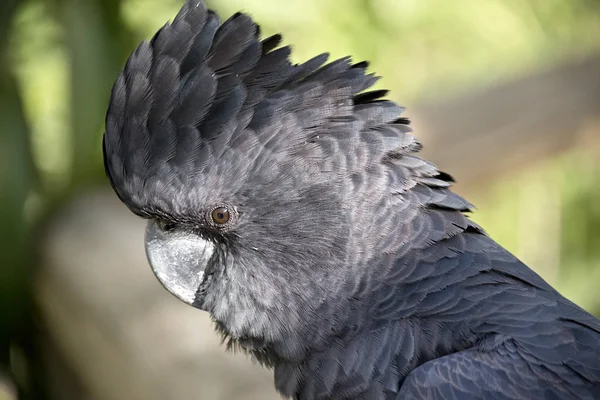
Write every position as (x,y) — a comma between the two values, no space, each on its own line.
(220,215)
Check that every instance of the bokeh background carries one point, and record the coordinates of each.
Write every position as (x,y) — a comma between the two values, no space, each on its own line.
(504,94)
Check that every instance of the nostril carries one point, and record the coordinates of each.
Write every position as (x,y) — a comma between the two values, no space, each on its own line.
(169,226)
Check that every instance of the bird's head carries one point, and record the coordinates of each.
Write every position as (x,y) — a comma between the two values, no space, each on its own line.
(265,184)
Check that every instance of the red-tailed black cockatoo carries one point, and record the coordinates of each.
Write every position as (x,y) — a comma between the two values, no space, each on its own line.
(288,201)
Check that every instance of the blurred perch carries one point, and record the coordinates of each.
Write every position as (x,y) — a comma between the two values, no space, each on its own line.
(489,133)
(126,338)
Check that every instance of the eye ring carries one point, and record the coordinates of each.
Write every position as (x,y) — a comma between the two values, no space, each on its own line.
(221,215)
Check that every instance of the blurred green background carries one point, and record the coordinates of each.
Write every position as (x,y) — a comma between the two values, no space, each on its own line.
(58,59)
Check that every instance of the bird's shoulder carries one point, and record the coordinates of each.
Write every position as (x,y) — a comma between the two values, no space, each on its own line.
(507,372)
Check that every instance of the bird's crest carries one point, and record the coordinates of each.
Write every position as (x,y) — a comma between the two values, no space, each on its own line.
(199,88)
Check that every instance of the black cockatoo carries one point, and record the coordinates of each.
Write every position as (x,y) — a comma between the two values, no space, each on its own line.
(287,200)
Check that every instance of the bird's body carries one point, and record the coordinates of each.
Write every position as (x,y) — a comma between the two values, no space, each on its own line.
(470,322)
(289,203)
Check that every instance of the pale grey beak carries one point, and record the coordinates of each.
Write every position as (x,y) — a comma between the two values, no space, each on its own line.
(178,259)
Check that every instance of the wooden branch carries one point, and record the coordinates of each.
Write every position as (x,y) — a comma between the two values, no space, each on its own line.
(480,136)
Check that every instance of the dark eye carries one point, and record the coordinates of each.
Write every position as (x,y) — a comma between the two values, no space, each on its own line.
(220,215)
